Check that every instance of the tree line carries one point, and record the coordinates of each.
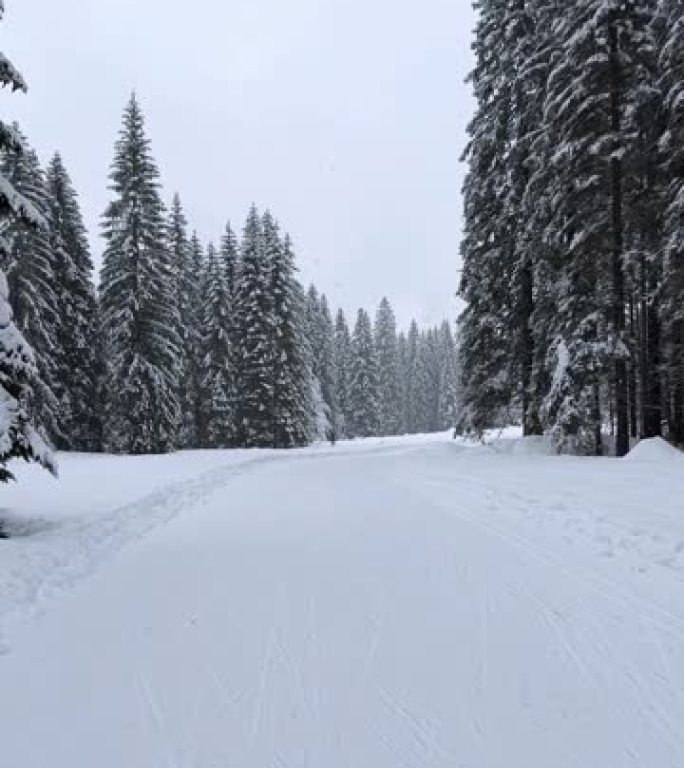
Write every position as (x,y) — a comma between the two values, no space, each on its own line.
(181,345)
(574,222)
(374,380)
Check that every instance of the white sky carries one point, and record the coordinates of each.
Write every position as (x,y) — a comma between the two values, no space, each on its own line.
(346,117)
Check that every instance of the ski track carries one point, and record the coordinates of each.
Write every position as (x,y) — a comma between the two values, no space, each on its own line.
(419,605)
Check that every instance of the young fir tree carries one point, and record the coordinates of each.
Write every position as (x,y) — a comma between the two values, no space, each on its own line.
(363,384)
(75,339)
(342,372)
(292,407)
(186,258)
(254,336)
(30,265)
(18,371)
(139,297)
(388,371)
(218,389)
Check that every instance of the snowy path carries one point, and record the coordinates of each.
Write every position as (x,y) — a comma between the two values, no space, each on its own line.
(430,606)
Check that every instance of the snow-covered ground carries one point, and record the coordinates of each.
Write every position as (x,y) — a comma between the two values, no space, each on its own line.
(413,602)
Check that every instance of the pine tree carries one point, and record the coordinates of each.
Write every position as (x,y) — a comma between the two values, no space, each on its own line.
(292,406)
(388,373)
(186,258)
(403,374)
(430,369)
(31,270)
(322,342)
(254,339)
(589,118)
(75,339)
(18,371)
(448,383)
(342,373)
(139,302)
(326,361)
(363,385)
(218,387)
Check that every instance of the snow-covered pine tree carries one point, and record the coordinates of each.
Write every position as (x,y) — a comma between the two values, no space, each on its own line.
(385,336)
(342,372)
(320,417)
(589,121)
(30,266)
(431,363)
(326,358)
(417,384)
(230,257)
(76,335)
(669,31)
(363,384)
(403,374)
(186,258)
(322,343)
(18,371)
(218,386)
(254,336)
(139,302)
(488,246)
(292,406)
(448,382)
(191,424)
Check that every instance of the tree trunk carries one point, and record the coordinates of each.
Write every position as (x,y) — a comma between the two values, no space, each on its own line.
(530,406)
(633,407)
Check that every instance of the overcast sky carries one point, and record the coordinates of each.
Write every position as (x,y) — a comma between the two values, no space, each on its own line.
(345,117)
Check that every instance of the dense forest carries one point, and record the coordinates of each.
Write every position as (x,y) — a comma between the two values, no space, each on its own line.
(183,345)
(574,236)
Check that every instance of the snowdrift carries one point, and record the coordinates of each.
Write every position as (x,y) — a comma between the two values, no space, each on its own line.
(654,449)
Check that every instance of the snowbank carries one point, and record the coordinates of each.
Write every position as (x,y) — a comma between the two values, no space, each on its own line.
(654,449)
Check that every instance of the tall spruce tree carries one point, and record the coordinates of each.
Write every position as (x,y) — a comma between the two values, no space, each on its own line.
(322,341)
(388,373)
(218,385)
(363,384)
(488,246)
(403,373)
(31,270)
(76,333)
(186,258)
(254,336)
(448,378)
(342,373)
(292,406)
(18,371)
(138,294)
(589,119)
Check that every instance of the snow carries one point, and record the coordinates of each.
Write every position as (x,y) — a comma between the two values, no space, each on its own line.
(416,602)
(654,449)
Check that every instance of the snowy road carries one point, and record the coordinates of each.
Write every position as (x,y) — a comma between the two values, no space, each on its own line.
(422,605)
